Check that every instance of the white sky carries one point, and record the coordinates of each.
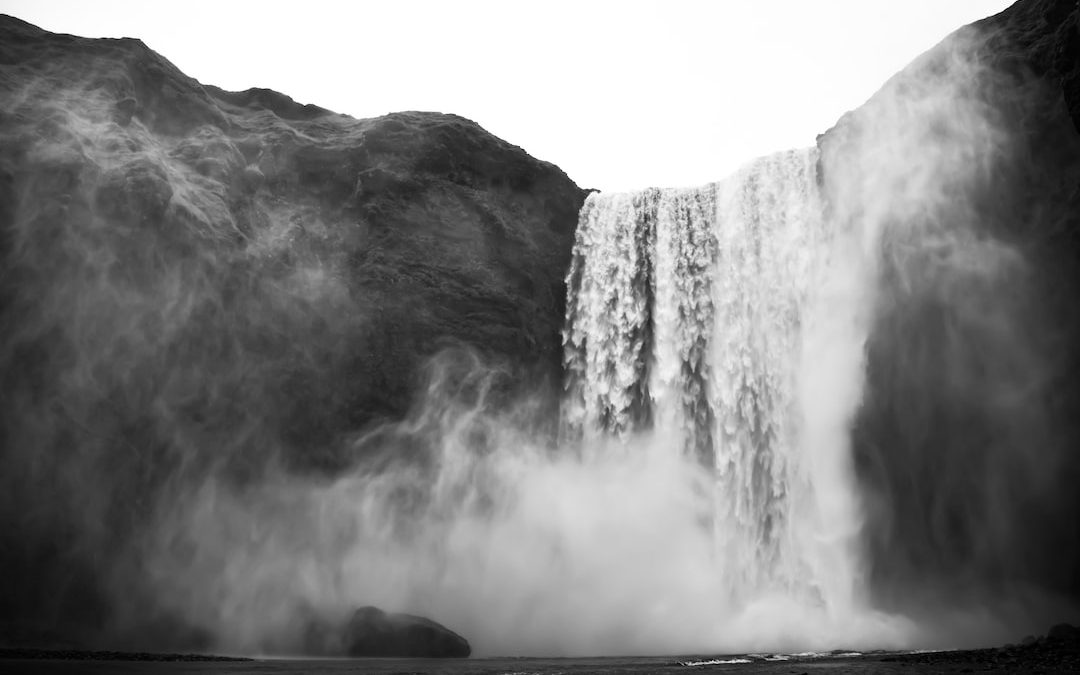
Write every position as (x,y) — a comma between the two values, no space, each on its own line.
(621,95)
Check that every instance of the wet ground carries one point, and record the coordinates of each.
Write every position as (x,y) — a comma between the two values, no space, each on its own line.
(1043,657)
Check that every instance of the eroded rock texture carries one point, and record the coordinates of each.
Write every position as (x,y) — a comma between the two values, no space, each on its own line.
(195,280)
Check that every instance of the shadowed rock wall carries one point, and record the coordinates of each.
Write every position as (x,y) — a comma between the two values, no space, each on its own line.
(195,280)
(966,168)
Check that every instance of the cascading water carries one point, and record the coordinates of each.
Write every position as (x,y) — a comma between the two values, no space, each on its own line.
(857,342)
(690,313)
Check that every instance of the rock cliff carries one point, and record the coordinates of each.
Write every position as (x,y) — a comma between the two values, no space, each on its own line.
(195,278)
(964,171)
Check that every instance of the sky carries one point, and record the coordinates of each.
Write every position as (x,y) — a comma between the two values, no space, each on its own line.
(620,94)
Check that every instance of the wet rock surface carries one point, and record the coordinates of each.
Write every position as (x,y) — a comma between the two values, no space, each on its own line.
(373,632)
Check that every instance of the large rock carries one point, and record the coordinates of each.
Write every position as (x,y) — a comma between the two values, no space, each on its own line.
(1064,632)
(194,278)
(373,632)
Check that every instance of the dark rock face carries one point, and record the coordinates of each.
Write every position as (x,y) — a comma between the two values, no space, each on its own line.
(195,280)
(966,442)
(373,632)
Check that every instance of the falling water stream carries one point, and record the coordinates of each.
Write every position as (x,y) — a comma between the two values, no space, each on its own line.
(698,314)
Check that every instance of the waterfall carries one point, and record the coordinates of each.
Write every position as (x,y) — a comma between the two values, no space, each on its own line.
(697,315)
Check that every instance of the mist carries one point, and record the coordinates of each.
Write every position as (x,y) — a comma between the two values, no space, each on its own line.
(816,405)
(529,548)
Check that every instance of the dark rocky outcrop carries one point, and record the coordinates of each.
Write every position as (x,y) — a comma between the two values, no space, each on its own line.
(966,444)
(373,632)
(194,280)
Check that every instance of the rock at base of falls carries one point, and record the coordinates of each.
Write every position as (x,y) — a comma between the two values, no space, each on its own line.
(371,632)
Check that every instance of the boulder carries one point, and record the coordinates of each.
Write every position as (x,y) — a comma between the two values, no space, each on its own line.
(373,632)
(1064,632)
